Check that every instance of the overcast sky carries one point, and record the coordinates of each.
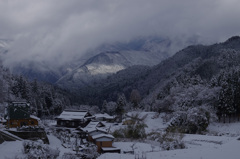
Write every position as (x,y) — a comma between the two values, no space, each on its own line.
(62,29)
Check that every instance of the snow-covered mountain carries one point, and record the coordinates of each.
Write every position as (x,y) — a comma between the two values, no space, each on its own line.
(99,62)
(95,63)
(194,63)
(115,57)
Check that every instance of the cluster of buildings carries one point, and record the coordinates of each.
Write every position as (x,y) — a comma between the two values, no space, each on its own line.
(91,127)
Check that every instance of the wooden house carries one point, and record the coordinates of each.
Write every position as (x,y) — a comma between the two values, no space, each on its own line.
(31,121)
(73,118)
(92,132)
(103,140)
(96,133)
(90,128)
(18,114)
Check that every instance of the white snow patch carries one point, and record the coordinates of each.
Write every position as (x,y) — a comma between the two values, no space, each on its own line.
(11,149)
(104,69)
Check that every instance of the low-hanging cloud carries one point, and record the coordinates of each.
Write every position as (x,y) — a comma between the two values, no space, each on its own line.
(56,31)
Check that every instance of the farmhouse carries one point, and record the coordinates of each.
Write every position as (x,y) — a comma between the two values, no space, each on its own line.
(17,114)
(73,118)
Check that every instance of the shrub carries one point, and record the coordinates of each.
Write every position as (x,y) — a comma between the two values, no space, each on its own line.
(171,141)
(195,120)
(134,131)
(168,140)
(119,133)
(36,150)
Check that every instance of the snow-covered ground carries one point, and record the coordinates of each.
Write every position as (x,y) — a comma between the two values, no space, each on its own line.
(198,147)
(220,142)
(11,149)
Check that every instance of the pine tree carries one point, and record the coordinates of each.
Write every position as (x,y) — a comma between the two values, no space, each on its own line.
(121,102)
(104,107)
(226,105)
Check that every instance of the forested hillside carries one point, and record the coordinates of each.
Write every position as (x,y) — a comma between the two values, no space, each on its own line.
(197,78)
(45,99)
(204,89)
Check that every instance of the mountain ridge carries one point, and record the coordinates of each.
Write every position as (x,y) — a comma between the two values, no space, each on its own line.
(159,75)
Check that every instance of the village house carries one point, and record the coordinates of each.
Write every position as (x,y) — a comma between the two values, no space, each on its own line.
(97,133)
(104,143)
(73,118)
(90,128)
(18,114)
(105,117)
(93,131)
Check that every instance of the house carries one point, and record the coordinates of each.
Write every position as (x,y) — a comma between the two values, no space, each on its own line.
(18,114)
(73,118)
(103,141)
(90,128)
(92,132)
(96,132)
(104,117)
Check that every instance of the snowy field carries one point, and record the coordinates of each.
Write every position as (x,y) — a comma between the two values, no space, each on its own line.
(198,147)
(220,142)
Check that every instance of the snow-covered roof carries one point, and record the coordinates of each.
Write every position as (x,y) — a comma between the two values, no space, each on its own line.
(102,135)
(90,130)
(104,115)
(34,117)
(23,104)
(109,148)
(73,115)
(94,124)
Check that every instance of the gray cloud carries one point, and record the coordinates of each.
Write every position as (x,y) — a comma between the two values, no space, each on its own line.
(59,30)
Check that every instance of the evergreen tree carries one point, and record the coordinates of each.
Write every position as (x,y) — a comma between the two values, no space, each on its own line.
(104,107)
(226,102)
(121,103)
(135,98)
(228,97)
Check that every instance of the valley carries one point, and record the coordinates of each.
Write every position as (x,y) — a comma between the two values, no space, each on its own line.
(186,106)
